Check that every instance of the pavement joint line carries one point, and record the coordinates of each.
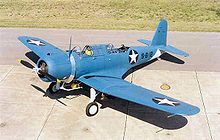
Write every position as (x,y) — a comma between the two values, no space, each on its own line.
(22,90)
(14,103)
(207,119)
(2,102)
(160,130)
(126,117)
(7,74)
(46,120)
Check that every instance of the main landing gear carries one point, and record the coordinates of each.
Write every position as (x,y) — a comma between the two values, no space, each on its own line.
(92,108)
(56,86)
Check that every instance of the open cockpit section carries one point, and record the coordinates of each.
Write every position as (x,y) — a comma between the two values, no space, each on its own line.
(77,50)
(112,49)
(99,50)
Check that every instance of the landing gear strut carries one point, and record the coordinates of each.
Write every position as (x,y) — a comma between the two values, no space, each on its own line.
(56,86)
(92,108)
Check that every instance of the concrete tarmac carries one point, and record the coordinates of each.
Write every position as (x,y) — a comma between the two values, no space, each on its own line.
(29,111)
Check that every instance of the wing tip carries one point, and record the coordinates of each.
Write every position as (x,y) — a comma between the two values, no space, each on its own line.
(21,37)
(186,54)
(194,111)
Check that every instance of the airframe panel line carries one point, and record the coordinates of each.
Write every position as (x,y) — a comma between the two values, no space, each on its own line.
(207,119)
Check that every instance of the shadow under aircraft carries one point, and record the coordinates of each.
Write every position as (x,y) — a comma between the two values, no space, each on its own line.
(149,115)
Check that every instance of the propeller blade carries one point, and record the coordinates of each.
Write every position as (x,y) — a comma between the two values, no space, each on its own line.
(49,76)
(70,46)
(26,64)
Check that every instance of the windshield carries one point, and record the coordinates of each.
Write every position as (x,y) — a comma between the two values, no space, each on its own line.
(76,49)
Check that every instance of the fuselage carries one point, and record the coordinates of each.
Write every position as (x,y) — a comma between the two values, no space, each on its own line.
(115,61)
(103,61)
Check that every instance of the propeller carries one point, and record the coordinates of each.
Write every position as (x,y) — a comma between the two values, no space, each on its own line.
(38,70)
(70,46)
(25,63)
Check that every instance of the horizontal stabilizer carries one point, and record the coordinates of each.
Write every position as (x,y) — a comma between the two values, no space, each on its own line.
(147,42)
(173,50)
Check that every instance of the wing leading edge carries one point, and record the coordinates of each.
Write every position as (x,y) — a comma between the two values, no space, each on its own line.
(122,89)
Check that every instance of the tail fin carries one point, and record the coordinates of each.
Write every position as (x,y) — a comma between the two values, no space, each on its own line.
(159,40)
(160,36)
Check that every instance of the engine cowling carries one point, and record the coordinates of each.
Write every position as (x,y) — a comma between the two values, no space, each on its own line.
(58,66)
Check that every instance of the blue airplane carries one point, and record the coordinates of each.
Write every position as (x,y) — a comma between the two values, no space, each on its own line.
(101,67)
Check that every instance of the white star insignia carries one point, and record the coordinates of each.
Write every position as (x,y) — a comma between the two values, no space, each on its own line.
(166,101)
(133,57)
(35,42)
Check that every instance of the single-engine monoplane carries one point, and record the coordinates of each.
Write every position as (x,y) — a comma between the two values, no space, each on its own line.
(101,67)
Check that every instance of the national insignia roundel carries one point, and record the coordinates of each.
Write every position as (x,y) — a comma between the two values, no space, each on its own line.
(133,56)
(35,42)
(165,101)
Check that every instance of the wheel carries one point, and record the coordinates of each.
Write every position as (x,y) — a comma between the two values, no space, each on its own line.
(52,88)
(92,109)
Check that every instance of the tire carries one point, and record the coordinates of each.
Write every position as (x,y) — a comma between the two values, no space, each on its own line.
(92,109)
(52,87)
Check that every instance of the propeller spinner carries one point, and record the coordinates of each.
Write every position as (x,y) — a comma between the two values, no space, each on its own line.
(42,70)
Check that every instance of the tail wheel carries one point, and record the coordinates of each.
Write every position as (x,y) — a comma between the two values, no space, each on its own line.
(52,88)
(92,109)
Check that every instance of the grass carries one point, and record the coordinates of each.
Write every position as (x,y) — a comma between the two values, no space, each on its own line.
(182,15)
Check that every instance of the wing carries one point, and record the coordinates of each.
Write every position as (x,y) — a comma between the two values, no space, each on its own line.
(120,88)
(38,46)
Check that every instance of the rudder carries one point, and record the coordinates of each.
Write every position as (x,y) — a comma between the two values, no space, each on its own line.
(160,36)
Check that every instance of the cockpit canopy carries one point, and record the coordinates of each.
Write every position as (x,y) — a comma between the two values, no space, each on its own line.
(76,49)
(99,49)
(111,49)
